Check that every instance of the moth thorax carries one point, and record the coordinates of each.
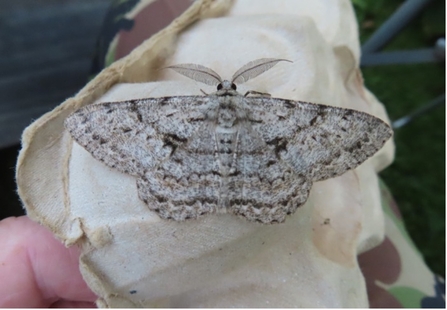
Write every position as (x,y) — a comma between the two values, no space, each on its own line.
(226,117)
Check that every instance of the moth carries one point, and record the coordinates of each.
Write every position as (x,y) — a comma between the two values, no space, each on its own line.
(250,155)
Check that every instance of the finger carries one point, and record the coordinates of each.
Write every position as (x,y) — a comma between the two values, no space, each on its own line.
(37,270)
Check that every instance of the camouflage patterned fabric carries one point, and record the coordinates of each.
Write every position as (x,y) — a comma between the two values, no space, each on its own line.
(395,272)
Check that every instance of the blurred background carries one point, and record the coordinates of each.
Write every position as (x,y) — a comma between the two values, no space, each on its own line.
(417,176)
(46,53)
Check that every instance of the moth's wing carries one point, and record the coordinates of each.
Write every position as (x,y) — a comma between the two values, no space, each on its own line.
(318,141)
(185,184)
(134,136)
(265,187)
(190,182)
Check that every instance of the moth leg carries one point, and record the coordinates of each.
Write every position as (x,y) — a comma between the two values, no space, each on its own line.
(203,92)
(254,92)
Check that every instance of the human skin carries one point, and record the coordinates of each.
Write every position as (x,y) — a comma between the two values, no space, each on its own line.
(37,270)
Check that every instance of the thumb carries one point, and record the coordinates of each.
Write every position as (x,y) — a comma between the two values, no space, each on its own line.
(37,270)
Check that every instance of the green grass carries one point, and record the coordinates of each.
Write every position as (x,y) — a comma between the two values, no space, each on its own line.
(417,177)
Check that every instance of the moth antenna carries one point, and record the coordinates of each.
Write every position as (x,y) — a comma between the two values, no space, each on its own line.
(198,73)
(254,68)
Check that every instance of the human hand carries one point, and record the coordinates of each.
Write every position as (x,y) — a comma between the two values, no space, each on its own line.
(37,270)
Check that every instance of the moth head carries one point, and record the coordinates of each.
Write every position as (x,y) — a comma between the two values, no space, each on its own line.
(226,85)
